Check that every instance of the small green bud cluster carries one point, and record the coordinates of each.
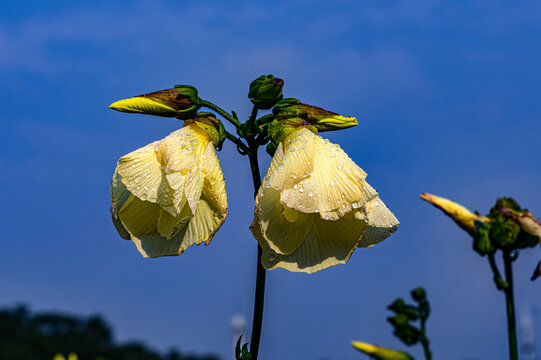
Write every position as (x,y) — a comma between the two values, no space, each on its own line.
(407,314)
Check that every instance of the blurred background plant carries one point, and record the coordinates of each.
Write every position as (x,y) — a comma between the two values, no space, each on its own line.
(506,229)
(39,336)
(409,323)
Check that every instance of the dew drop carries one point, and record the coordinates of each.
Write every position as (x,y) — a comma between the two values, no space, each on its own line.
(332,182)
(355,205)
(301,189)
(310,194)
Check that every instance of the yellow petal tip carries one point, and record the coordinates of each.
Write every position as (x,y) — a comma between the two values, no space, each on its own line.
(364,347)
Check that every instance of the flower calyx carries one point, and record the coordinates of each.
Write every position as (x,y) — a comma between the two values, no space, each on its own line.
(266,91)
(214,127)
(181,102)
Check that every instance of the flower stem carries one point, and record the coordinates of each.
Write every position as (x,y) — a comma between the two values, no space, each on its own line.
(221,111)
(425,342)
(260,274)
(510,305)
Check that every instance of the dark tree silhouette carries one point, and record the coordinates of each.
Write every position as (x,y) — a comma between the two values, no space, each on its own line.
(26,336)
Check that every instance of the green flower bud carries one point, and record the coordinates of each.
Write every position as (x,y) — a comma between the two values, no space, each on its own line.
(265,91)
(380,352)
(418,294)
(208,122)
(322,119)
(181,102)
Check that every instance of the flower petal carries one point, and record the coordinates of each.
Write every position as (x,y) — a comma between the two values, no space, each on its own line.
(214,184)
(141,173)
(335,185)
(143,105)
(169,226)
(139,217)
(200,228)
(284,229)
(381,223)
(328,243)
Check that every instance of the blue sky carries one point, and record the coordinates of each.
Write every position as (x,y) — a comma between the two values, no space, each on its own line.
(447,98)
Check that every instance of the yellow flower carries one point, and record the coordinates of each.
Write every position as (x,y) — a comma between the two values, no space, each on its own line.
(170,194)
(315,207)
(462,216)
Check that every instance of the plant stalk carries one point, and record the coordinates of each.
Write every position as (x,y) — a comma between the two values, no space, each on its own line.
(424,340)
(510,305)
(261,272)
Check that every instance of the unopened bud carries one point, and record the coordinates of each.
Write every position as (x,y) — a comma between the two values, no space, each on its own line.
(265,91)
(418,294)
(380,352)
(181,102)
(462,216)
(322,119)
(529,224)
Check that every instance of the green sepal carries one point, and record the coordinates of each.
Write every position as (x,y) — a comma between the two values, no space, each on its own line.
(214,127)
(279,129)
(271,148)
(482,242)
(284,104)
(525,240)
(502,203)
(266,91)
(504,232)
